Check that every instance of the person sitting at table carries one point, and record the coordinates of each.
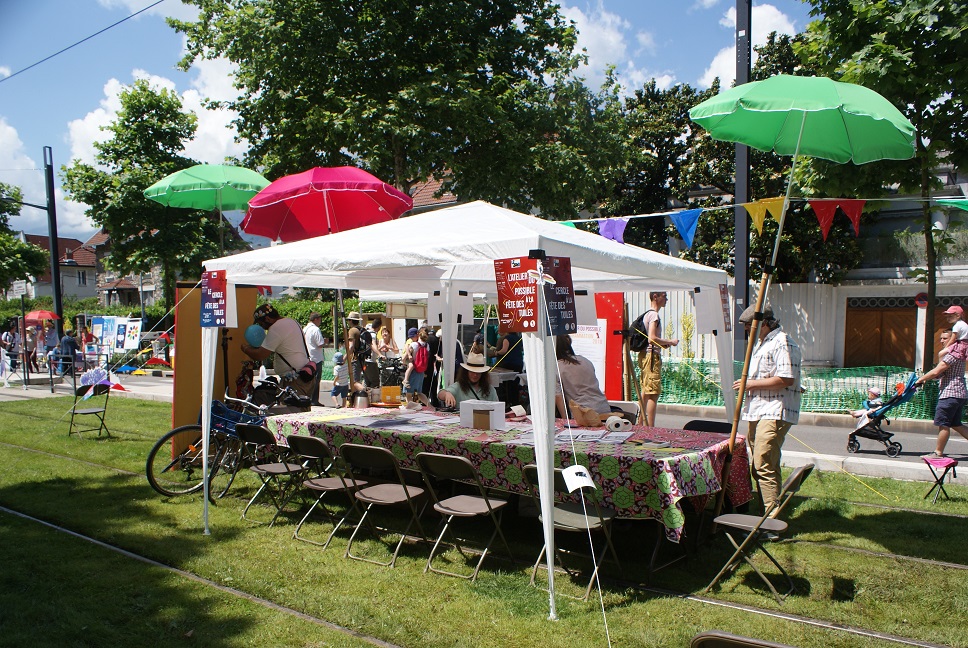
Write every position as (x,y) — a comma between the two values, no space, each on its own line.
(473,383)
(579,383)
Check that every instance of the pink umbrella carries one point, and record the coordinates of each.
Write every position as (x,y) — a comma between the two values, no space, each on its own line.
(322,201)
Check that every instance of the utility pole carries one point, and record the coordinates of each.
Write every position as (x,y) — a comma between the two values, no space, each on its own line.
(741,192)
(55,283)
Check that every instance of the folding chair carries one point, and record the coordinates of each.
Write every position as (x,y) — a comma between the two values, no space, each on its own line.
(571,517)
(394,492)
(279,477)
(91,391)
(759,528)
(949,465)
(701,425)
(319,458)
(717,639)
(449,467)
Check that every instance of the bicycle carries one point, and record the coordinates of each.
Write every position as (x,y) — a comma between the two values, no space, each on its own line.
(174,465)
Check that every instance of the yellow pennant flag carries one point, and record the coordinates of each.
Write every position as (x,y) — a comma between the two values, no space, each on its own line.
(775,207)
(757,212)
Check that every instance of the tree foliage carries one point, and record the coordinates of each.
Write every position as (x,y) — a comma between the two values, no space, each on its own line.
(477,94)
(145,144)
(913,52)
(18,259)
(707,180)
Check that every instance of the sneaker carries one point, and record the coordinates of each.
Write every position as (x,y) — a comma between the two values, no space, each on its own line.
(932,455)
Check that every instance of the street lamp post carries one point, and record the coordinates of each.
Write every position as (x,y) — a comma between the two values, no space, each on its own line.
(51,210)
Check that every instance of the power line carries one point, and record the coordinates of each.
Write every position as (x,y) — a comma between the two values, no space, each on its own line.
(154,4)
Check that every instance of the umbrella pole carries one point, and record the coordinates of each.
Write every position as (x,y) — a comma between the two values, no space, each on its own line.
(755,328)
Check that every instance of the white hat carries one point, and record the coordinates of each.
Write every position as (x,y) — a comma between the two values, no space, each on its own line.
(475,362)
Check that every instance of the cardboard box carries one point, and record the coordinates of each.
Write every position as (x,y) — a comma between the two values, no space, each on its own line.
(478,414)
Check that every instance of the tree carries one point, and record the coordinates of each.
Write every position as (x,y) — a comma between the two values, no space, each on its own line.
(145,144)
(476,94)
(18,259)
(913,52)
(709,165)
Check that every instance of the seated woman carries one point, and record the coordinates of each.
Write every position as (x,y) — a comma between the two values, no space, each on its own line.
(473,383)
(579,383)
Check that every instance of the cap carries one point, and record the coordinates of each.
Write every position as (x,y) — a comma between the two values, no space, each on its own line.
(314,315)
(353,315)
(479,338)
(955,310)
(411,332)
(264,310)
(747,316)
(874,390)
(475,362)
(337,358)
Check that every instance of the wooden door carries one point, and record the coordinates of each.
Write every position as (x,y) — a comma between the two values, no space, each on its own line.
(880,337)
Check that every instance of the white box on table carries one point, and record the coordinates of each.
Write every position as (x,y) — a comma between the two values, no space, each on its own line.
(495,413)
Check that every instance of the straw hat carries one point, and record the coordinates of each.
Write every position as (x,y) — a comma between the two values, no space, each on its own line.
(475,362)
(353,315)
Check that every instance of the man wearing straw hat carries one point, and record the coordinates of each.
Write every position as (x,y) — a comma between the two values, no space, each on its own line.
(772,403)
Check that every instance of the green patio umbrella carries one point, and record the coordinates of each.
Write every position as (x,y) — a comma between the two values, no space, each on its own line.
(812,116)
(208,186)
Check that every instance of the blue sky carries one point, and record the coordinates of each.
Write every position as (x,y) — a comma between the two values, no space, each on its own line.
(63,102)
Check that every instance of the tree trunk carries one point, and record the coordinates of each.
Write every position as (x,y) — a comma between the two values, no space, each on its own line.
(168,283)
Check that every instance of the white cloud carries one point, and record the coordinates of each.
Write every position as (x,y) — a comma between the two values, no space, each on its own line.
(169,8)
(765,19)
(706,4)
(4,71)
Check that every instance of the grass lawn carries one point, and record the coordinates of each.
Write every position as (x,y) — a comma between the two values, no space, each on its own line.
(884,562)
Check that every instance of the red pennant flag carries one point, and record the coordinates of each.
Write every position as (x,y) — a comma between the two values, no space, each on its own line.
(825,210)
(853,209)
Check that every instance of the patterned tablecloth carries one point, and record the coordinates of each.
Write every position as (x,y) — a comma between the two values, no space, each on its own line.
(636,478)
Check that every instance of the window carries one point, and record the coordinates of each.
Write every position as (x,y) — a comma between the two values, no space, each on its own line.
(81,277)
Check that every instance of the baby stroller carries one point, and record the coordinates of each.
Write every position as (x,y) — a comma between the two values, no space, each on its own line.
(871,427)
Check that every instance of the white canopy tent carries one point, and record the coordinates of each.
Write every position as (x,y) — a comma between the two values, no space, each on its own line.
(453,250)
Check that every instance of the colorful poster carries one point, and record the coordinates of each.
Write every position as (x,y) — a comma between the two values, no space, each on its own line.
(517,295)
(108,332)
(560,296)
(121,327)
(132,335)
(213,311)
(97,327)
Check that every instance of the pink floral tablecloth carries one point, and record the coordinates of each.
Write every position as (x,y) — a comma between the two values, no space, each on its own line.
(635,478)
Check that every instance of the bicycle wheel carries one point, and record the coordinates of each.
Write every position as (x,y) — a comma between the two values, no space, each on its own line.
(177,473)
(225,465)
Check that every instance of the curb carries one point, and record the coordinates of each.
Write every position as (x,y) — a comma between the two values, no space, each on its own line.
(860,466)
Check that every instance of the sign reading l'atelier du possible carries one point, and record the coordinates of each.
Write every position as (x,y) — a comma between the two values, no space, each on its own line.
(517,291)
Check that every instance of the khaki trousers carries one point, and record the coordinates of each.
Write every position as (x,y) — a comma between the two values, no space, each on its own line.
(765,440)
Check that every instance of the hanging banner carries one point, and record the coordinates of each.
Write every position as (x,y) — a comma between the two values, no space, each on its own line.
(213,312)
(120,332)
(517,295)
(560,296)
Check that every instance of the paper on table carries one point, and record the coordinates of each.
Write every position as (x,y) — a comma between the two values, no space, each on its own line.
(525,439)
(447,420)
(616,437)
(362,421)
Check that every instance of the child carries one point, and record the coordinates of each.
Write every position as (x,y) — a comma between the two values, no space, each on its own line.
(957,344)
(872,403)
(341,381)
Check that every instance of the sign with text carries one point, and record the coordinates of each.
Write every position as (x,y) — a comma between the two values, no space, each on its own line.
(18,288)
(213,306)
(517,289)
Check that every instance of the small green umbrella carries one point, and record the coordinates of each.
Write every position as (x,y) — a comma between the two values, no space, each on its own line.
(813,116)
(208,186)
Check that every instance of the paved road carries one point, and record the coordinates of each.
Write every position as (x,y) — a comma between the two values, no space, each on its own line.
(820,438)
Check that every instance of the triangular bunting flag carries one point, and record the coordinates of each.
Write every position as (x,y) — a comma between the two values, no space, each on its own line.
(775,207)
(853,209)
(685,222)
(613,228)
(568,224)
(757,212)
(960,203)
(825,210)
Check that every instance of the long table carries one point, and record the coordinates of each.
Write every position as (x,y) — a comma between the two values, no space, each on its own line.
(636,478)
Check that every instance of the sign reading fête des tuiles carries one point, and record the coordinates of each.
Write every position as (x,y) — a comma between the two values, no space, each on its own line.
(517,289)
(213,306)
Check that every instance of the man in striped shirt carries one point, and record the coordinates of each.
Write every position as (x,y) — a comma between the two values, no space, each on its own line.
(772,404)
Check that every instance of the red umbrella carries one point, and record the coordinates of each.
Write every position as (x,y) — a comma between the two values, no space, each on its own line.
(157,361)
(41,315)
(322,201)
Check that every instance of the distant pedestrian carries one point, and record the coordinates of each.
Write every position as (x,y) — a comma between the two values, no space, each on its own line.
(650,359)
(314,345)
(68,352)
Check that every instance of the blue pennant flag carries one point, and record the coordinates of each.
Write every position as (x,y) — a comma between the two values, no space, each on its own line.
(685,222)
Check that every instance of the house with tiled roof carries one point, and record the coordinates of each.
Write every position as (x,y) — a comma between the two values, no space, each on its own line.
(425,198)
(77,268)
(121,290)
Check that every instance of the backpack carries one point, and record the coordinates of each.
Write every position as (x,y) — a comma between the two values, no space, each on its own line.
(421,358)
(638,335)
(366,339)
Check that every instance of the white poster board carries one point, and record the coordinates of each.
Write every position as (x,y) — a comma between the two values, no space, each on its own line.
(132,335)
(589,341)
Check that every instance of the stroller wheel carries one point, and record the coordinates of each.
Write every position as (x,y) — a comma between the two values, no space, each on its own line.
(853,445)
(894,449)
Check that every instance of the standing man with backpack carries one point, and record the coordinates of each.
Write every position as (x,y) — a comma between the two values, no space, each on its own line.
(644,337)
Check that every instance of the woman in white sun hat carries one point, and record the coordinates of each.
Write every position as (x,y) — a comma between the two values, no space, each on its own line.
(473,383)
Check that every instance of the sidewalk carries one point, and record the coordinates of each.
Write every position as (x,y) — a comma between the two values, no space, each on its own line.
(825,433)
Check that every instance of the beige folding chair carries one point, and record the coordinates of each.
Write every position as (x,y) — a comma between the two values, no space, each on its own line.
(717,639)
(450,467)
(395,492)
(572,518)
(757,529)
(318,458)
(98,411)
(279,476)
